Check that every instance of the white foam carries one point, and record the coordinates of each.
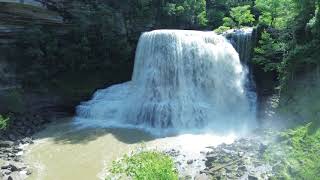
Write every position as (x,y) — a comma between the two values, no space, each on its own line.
(183,81)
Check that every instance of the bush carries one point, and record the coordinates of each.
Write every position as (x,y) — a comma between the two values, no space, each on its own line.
(145,165)
(221,29)
(297,154)
(240,16)
(192,13)
(270,52)
(4,121)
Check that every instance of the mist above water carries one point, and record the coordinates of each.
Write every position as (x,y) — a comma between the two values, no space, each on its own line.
(182,81)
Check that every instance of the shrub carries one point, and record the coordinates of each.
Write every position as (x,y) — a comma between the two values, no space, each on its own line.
(297,154)
(221,29)
(240,16)
(145,165)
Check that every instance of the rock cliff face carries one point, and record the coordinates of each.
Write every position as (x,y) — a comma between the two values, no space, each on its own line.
(127,20)
(16,16)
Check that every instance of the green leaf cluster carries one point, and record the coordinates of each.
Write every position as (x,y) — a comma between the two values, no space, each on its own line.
(289,42)
(269,52)
(189,11)
(145,165)
(276,13)
(240,16)
(296,155)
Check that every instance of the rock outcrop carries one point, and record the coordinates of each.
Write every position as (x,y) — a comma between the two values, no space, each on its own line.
(127,20)
(16,16)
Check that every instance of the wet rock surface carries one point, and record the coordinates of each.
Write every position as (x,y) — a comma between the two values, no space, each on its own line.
(242,159)
(11,153)
(21,127)
(13,142)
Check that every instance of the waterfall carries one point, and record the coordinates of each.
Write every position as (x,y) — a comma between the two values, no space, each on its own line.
(242,41)
(181,80)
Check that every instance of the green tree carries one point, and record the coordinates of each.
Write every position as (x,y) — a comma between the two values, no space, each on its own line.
(239,16)
(269,53)
(242,15)
(216,11)
(276,13)
(191,12)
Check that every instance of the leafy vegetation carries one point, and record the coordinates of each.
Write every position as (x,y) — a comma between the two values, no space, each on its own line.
(145,165)
(4,122)
(188,11)
(276,13)
(282,49)
(297,154)
(240,16)
(269,52)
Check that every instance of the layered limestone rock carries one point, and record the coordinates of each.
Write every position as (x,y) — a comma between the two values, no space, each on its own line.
(17,15)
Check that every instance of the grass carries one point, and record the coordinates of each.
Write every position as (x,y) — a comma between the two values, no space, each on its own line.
(297,154)
(144,165)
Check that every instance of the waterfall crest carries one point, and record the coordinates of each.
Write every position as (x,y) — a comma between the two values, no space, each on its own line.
(181,80)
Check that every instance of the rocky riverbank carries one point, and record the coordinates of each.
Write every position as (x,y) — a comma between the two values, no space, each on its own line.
(12,165)
(242,159)
(13,142)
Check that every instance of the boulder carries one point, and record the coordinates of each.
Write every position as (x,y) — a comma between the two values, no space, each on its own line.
(13,166)
(6,144)
(190,161)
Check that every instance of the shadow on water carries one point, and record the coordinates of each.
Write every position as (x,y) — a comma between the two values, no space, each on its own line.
(65,132)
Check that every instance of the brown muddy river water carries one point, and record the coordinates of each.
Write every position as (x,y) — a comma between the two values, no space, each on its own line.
(62,153)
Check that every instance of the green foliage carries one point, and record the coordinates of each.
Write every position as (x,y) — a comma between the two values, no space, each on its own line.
(242,15)
(290,46)
(269,53)
(297,154)
(276,13)
(228,22)
(4,122)
(216,11)
(221,29)
(192,12)
(239,17)
(145,165)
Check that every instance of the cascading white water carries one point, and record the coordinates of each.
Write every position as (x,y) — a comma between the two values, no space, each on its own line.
(242,41)
(182,80)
